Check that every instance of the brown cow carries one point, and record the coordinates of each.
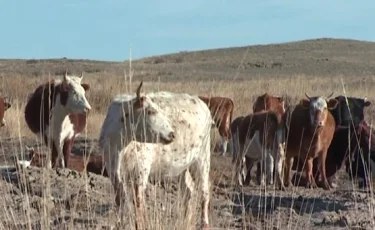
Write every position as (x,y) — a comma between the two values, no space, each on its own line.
(221,110)
(309,136)
(4,106)
(260,139)
(268,102)
(57,111)
(93,163)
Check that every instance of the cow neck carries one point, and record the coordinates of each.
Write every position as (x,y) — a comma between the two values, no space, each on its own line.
(58,113)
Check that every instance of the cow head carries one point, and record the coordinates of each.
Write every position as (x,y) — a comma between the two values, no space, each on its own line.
(350,109)
(150,118)
(4,106)
(269,102)
(72,95)
(318,109)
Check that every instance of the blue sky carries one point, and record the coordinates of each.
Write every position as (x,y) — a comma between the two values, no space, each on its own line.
(107,29)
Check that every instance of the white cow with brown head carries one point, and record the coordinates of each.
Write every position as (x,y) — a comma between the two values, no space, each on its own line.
(158,134)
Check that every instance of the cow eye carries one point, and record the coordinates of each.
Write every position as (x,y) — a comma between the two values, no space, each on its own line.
(151,112)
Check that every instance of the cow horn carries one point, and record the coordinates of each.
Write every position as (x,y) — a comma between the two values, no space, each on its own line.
(139,90)
(365,99)
(330,95)
(307,96)
(66,74)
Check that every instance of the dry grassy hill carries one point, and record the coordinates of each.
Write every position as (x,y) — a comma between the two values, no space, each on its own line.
(317,57)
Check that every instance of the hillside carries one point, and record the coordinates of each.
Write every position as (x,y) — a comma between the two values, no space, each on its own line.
(317,57)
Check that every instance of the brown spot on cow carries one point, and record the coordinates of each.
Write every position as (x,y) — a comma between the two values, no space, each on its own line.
(309,136)
(221,111)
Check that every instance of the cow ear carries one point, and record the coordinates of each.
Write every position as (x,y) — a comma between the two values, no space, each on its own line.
(367,103)
(85,86)
(139,103)
(305,103)
(332,104)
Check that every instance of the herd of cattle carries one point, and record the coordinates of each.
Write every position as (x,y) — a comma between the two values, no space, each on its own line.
(166,134)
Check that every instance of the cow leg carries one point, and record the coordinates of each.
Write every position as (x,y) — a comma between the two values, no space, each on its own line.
(269,167)
(310,180)
(67,148)
(261,175)
(322,170)
(259,171)
(224,145)
(140,204)
(188,186)
(249,165)
(288,169)
(55,154)
(280,158)
(204,172)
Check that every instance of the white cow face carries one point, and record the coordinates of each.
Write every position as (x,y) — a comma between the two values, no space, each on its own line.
(318,109)
(72,94)
(149,119)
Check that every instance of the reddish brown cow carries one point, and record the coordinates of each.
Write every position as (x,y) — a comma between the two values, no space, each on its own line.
(221,110)
(93,163)
(260,139)
(4,106)
(268,102)
(309,136)
(57,111)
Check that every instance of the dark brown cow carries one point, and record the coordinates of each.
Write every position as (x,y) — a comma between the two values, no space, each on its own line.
(222,111)
(57,111)
(260,139)
(234,129)
(268,102)
(4,106)
(309,136)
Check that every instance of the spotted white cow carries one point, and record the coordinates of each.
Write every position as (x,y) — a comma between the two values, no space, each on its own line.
(161,134)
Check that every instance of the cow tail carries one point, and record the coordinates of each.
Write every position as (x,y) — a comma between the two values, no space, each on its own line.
(230,118)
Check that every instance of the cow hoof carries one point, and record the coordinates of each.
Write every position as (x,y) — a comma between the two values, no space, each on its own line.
(311,185)
(281,187)
(326,186)
(205,227)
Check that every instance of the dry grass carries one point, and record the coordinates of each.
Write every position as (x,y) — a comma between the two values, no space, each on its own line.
(103,89)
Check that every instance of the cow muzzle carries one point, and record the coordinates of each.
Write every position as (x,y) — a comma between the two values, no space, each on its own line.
(169,139)
(2,123)
(317,124)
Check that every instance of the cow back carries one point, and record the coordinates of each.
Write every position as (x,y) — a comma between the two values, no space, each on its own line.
(39,105)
